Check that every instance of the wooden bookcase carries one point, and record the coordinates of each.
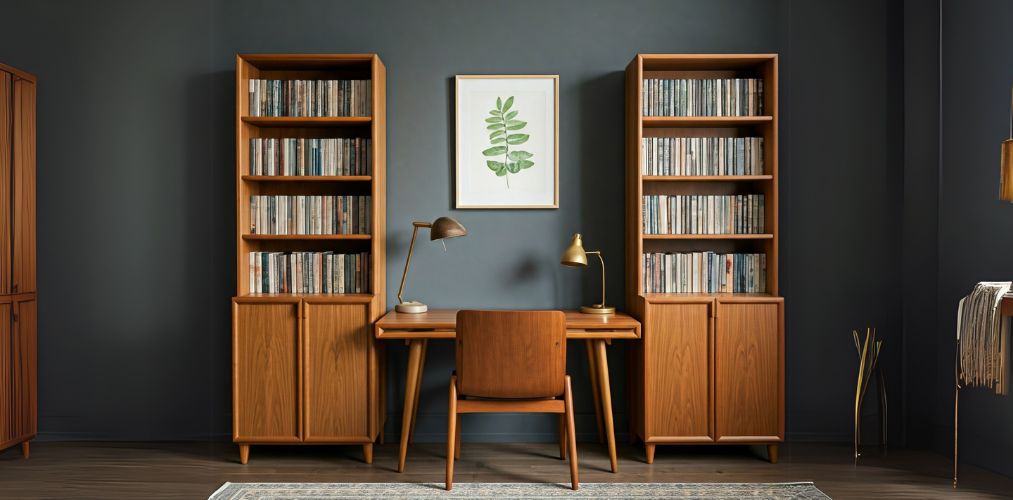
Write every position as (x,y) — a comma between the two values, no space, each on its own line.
(18,283)
(710,368)
(306,369)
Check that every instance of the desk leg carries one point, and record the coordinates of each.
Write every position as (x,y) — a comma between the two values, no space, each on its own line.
(418,390)
(606,399)
(592,369)
(410,390)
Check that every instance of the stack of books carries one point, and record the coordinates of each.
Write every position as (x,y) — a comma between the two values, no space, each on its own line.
(705,272)
(309,272)
(309,214)
(718,97)
(291,156)
(702,156)
(703,214)
(310,97)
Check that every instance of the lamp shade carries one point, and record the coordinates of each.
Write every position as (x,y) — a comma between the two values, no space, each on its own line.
(445,227)
(574,254)
(1006,171)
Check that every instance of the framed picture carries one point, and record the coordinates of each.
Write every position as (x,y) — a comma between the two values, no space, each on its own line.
(507,141)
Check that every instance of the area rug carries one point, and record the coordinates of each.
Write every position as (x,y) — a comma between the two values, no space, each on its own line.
(316,491)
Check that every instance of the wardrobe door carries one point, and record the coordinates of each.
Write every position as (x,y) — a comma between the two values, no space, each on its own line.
(23,187)
(7,434)
(6,144)
(25,343)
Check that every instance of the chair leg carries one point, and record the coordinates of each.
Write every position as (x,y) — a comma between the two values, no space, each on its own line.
(562,436)
(571,435)
(457,439)
(451,432)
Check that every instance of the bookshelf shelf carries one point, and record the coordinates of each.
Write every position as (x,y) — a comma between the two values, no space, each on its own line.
(703,121)
(714,394)
(306,237)
(708,236)
(308,121)
(307,178)
(325,376)
(705,178)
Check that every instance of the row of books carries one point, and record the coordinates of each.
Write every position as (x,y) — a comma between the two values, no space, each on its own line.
(703,214)
(299,156)
(309,272)
(717,97)
(309,214)
(705,272)
(702,156)
(310,97)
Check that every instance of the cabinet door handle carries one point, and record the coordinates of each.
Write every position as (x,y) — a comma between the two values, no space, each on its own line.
(15,288)
(15,317)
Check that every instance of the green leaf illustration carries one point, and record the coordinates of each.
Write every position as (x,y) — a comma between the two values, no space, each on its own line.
(500,121)
(495,151)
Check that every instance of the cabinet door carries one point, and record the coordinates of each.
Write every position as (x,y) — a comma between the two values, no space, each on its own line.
(24,330)
(6,139)
(748,376)
(23,182)
(265,372)
(335,356)
(677,339)
(7,402)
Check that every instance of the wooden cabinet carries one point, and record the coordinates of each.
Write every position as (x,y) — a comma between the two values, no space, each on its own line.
(18,317)
(710,370)
(305,370)
(265,376)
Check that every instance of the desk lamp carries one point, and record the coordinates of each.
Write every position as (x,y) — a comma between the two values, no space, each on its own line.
(574,255)
(439,229)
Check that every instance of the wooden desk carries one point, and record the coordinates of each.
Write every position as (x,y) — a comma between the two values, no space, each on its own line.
(594,329)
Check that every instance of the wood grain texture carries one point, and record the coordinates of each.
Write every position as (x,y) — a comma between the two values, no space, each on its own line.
(677,368)
(8,401)
(266,386)
(441,323)
(511,354)
(334,362)
(23,187)
(746,358)
(26,376)
(6,139)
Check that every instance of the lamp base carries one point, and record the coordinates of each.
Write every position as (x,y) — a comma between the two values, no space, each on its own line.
(411,307)
(598,309)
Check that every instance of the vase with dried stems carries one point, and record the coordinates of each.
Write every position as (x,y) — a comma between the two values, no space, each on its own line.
(868,366)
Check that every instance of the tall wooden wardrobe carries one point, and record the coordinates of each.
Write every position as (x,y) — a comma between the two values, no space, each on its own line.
(18,353)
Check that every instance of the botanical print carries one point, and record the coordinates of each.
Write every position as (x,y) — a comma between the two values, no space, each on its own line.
(503,133)
(506,143)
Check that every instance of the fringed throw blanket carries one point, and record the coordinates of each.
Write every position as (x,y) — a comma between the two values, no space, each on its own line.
(983,337)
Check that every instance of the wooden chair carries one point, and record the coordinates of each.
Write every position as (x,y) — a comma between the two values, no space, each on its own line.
(511,361)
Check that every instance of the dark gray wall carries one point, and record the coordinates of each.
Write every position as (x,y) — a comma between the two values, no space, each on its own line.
(136,192)
(975,228)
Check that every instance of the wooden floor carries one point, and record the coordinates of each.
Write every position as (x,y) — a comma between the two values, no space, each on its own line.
(194,470)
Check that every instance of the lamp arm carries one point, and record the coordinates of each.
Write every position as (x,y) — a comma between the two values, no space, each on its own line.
(600,258)
(408,260)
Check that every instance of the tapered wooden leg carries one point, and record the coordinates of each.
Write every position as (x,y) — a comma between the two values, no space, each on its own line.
(457,439)
(562,436)
(244,453)
(451,432)
(772,453)
(418,389)
(571,434)
(592,369)
(606,399)
(25,449)
(411,383)
(367,453)
(650,452)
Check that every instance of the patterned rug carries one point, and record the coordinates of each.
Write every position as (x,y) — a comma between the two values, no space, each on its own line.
(314,491)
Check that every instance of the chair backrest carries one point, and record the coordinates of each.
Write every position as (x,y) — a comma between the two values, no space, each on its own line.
(511,354)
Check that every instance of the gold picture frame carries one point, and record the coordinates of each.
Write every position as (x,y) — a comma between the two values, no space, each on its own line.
(478,165)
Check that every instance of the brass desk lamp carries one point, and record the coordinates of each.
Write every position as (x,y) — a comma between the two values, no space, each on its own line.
(574,255)
(439,229)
